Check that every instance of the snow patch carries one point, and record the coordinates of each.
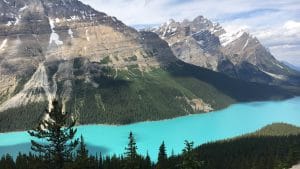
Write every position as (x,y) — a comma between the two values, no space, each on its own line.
(23,8)
(57,20)
(274,75)
(213,30)
(277,64)
(228,38)
(170,21)
(74,18)
(216,28)
(87,35)
(280,66)
(169,30)
(201,42)
(92,15)
(17,20)
(6,1)
(173,29)
(54,37)
(114,19)
(3,44)
(70,32)
(9,23)
(246,44)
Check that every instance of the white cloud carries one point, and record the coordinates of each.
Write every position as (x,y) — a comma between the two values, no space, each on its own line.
(275,23)
(283,41)
(157,11)
(292,27)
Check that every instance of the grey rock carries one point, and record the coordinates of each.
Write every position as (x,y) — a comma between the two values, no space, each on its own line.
(240,55)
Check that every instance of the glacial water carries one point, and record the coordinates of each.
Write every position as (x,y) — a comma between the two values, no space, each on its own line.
(233,121)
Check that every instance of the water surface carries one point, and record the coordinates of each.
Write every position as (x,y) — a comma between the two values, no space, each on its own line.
(233,121)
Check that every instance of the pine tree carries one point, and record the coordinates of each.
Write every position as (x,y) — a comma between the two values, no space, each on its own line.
(22,162)
(82,152)
(189,160)
(293,153)
(148,163)
(82,159)
(131,156)
(131,149)
(100,164)
(55,137)
(145,162)
(7,162)
(162,157)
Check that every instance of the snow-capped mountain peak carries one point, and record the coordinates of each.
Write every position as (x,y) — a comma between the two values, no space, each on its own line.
(230,37)
(236,53)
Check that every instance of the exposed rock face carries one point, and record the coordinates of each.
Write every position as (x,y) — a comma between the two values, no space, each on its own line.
(106,72)
(41,39)
(240,55)
(296,166)
(199,105)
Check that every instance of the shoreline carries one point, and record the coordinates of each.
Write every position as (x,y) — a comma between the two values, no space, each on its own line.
(161,120)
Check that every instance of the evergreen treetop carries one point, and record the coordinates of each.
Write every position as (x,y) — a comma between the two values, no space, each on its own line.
(55,136)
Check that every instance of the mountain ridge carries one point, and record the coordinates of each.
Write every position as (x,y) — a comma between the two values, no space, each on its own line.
(102,70)
(239,55)
(297,68)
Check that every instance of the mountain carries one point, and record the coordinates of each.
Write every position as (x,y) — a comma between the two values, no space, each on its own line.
(239,55)
(292,66)
(102,70)
(41,39)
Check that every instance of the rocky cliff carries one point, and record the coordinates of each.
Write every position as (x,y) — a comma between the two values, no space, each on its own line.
(41,38)
(240,55)
(106,72)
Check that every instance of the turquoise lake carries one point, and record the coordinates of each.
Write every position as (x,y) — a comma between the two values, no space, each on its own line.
(233,121)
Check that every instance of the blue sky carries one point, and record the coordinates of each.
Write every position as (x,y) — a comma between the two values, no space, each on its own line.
(276,23)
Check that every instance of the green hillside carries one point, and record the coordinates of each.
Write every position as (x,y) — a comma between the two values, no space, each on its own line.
(130,96)
(275,146)
(127,96)
(278,129)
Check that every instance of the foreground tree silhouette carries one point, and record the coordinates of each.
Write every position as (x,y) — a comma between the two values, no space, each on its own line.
(7,162)
(131,156)
(189,157)
(55,137)
(82,159)
(162,162)
(148,163)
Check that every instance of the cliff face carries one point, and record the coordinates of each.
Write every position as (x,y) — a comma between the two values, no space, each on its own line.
(106,72)
(41,38)
(240,55)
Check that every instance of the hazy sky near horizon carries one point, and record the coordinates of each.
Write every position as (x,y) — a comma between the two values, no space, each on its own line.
(276,23)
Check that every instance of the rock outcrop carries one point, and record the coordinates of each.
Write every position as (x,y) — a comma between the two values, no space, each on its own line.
(240,55)
(40,39)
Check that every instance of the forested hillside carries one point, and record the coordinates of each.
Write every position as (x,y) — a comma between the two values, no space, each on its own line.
(128,96)
(269,148)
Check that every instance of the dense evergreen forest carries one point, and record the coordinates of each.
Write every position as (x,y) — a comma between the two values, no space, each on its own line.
(261,150)
(265,152)
(128,96)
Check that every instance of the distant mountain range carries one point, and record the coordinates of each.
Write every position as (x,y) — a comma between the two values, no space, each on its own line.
(106,72)
(239,55)
(292,66)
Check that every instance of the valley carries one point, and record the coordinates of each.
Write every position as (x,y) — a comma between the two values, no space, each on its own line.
(106,72)
(234,121)
(75,82)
